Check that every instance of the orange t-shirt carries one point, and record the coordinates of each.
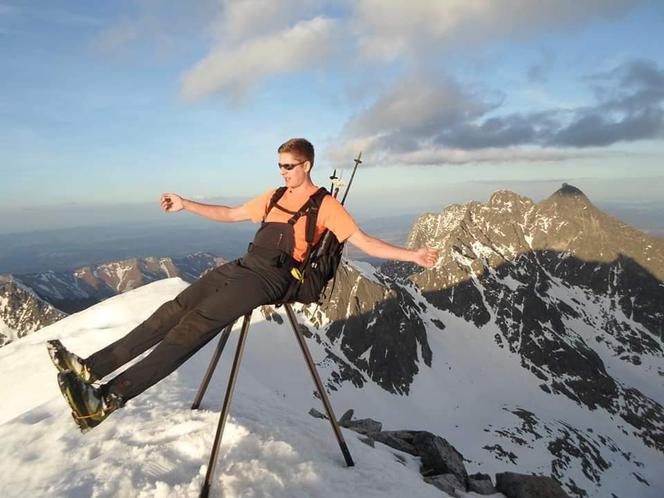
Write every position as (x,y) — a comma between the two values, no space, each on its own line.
(332,216)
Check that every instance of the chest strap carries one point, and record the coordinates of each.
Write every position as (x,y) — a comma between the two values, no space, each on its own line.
(310,207)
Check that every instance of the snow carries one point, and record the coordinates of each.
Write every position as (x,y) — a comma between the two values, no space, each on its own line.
(156,446)
(367,270)
(9,333)
(482,250)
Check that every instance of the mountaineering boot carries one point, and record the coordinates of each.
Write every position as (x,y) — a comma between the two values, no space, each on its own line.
(90,405)
(66,360)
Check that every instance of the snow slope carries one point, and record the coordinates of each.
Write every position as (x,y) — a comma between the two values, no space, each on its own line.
(158,447)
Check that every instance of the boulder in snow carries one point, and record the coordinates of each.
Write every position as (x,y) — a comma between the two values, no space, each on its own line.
(515,485)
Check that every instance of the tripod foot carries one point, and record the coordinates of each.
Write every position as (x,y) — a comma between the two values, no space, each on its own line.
(346,453)
(205,491)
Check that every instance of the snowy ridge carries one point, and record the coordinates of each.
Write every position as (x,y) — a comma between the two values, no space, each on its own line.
(157,446)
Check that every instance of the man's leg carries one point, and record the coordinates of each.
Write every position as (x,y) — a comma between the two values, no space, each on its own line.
(239,295)
(153,330)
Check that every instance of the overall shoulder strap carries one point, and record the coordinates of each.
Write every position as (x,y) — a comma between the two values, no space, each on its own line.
(278,194)
(315,202)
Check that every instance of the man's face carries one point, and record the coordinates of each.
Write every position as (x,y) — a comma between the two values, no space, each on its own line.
(296,176)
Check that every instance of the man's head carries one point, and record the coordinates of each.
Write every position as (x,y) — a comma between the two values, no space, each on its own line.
(298,155)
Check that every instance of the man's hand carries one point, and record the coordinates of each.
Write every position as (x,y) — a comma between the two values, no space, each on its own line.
(171,203)
(426,256)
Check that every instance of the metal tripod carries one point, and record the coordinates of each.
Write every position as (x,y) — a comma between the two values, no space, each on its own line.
(231,385)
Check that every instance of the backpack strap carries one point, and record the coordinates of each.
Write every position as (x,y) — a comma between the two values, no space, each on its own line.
(312,205)
(312,209)
(315,202)
(278,194)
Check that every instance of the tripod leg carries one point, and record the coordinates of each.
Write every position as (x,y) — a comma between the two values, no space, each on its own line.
(319,385)
(211,367)
(227,404)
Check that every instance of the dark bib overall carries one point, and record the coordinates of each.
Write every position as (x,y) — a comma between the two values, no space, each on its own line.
(182,326)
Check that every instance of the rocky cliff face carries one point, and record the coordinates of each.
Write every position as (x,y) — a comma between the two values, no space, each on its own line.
(556,277)
(573,295)
(23,312)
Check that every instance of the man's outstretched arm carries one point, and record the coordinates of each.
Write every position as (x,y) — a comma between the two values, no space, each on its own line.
(172,203)
(424,256)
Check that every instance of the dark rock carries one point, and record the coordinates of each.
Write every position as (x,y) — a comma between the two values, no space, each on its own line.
(400,440)
(367,440)
(270,314)
(481,484)
(449,483)
(315,413)
(438,456)
(363,426)
(514,485)
(346,417)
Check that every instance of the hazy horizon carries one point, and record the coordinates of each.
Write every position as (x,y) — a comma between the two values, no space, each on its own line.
(154,233)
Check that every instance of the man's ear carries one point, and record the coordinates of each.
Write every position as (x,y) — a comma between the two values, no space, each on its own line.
(307,166)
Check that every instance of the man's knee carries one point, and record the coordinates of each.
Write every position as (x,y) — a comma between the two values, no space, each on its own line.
(174,307)
(194,326)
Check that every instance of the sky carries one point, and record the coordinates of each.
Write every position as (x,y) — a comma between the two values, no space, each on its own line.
(104,106)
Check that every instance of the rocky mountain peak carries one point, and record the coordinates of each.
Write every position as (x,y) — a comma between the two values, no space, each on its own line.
(569,200)
(568,190)
(22,311)
(508,200)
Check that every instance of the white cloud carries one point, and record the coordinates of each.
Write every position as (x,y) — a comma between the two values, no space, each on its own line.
(438,155)
(388,29)
(234,69)
(419,104)
(375,154)
(425,120)
(244,35)
(240,20)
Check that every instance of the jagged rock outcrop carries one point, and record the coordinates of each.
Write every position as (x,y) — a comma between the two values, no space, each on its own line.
(378,327)
(23,312)
(515,485)
(531,268)
(442,465)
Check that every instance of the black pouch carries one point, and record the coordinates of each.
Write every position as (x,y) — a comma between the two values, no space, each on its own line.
(318,270)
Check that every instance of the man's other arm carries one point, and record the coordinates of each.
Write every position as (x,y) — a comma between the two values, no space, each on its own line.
(424,256)
(172,203)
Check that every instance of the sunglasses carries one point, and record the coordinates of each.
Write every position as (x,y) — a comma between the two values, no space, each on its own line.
(290,166)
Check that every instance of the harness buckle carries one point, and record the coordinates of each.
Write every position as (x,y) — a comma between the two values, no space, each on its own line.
(297,274)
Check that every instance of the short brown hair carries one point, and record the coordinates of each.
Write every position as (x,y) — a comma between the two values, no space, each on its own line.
(299,146)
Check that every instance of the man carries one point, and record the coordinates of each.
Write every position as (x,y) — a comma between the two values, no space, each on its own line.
(180,327)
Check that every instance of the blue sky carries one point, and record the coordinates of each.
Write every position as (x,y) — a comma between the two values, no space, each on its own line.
(107,105)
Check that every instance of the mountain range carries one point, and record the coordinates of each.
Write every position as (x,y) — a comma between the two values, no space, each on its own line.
(33,300)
